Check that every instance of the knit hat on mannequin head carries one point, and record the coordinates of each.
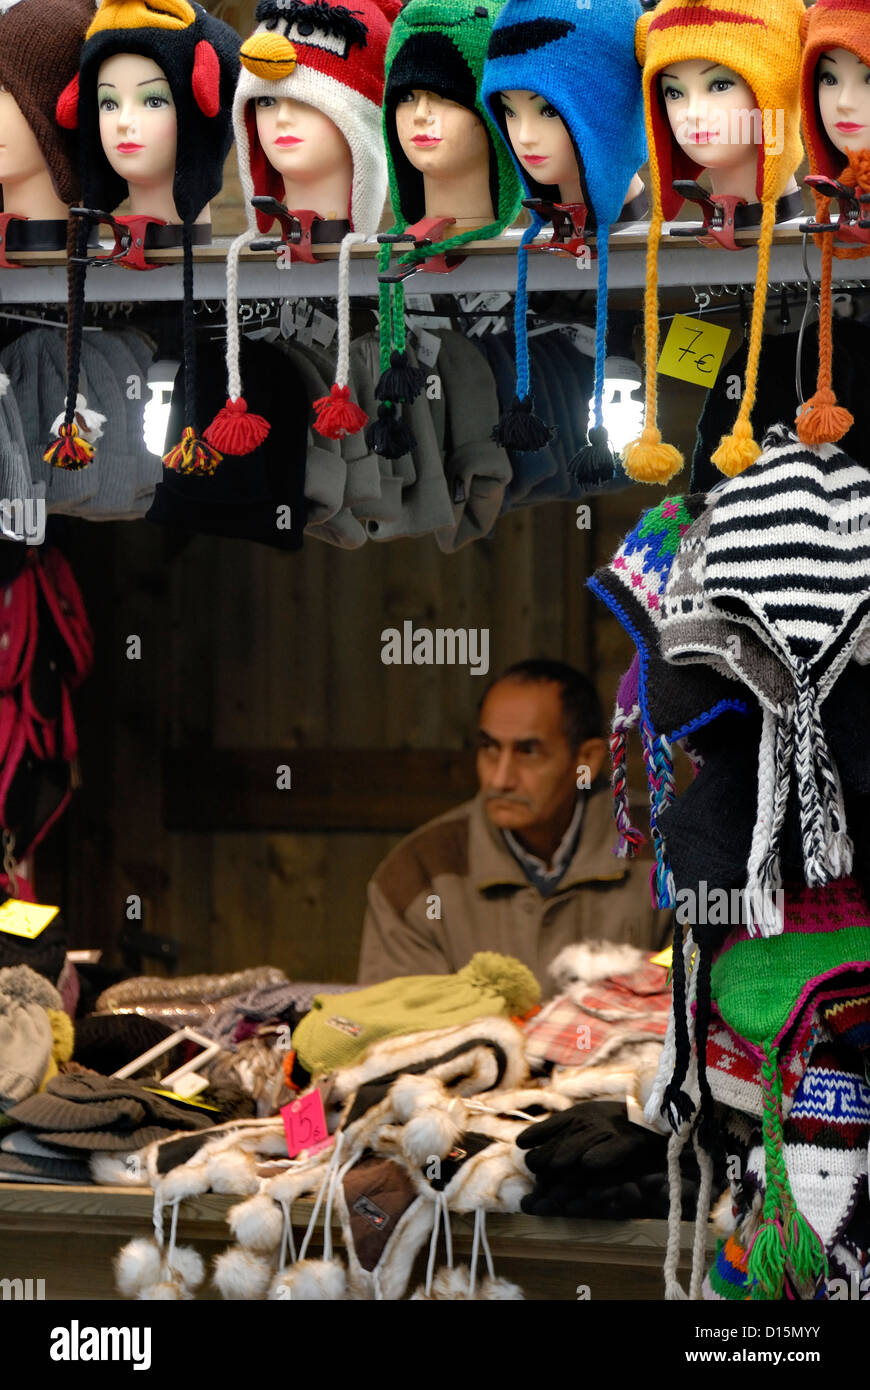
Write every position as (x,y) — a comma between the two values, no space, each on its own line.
(199,56)
(436,46)
(582,61)
(830,24)
(760,41)
(330,57)
(40,42)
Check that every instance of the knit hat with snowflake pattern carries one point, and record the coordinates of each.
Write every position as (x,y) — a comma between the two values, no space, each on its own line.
(330,57)
(760,41)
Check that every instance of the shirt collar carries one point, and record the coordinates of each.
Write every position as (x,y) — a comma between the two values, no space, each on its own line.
(536,868)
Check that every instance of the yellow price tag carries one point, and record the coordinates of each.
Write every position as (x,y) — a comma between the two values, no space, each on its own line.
(665,958)
(694,349)
(25,919)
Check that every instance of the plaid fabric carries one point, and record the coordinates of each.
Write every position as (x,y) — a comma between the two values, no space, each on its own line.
(582,1029)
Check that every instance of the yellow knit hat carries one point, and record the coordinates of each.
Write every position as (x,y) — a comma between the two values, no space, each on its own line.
(760,41)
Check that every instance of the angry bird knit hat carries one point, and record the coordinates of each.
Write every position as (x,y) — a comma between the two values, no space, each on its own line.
(582,61)
(199,56)
(760,41)
(826,25)
(40,42)
(437,46)
(330,57)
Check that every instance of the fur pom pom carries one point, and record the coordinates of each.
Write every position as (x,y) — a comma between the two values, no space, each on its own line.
(187,1180)
(165,1292)
(431,1134)
(119,1170)
(90,422)
(233,1172)
(587,961)
(411,1094)
(648,460)
(235,431)
(495,1290)
(186,1266)
(312,1281)
(240,1275)
(520,428)
(137,1266)
(257,1224)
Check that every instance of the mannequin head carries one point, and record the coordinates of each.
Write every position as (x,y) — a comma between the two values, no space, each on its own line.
(309,152)
(449,145)
(139,130)
(24,176)
(715,120)
(844,99)
(542,142)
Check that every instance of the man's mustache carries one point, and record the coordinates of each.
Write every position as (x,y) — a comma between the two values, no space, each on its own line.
(505,796)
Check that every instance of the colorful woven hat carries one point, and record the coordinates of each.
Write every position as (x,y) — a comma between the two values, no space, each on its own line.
(437,46)
(332,59)
(761,42)
(581,59)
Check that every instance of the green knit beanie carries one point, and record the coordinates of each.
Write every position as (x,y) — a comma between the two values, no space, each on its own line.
(341,1027)
(436,46)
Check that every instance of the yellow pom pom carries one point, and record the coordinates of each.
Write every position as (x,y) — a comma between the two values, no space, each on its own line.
(503,975)
(736,451)
(648,460)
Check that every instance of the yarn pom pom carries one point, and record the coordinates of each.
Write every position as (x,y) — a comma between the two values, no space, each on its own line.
(389,436)
(70,450)
(502,975)
(337,415)
(137,1265)
(766,1262)
(822,420)
(257,1224)
(311,1281)
(401,381)
(234,431)
(240,1275)
(519,428)
(595,463)
(737,451)
(648,460)
(192,455)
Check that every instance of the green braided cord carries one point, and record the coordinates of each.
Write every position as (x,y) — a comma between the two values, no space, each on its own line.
(767,1256)
(385,306)
(423,253)
(399,317)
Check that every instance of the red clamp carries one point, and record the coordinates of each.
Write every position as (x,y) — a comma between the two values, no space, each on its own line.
(5,219)
(569,226)
(129,233)
(719,211)
(423,233)
(854,223)
(295,229)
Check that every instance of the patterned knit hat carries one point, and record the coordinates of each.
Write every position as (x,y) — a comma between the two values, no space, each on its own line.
(582,60)
(760,42)
(40,42)
(438,46)
(830,24)
(198,54)
(332,59)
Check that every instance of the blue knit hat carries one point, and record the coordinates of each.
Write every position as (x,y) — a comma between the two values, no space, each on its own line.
(581,58)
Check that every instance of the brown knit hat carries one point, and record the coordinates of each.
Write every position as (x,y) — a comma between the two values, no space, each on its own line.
(40,41)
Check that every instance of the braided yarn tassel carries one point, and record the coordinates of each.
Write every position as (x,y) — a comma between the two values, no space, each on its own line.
(648,459)
(234,430)
(71,450)
(519,428)
(336,415)
(191,455)
(677,1105)
(630,838)
(659,763)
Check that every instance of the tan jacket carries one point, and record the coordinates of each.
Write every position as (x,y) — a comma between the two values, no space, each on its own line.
(453,888)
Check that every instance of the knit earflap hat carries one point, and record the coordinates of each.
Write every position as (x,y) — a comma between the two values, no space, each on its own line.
(759,41)
(581,59)
(331,58)
(40,42)
(437,46)
(830,24)
(199,56)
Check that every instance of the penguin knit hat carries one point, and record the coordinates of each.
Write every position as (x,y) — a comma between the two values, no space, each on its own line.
(331,58)
(199,56)
(40,42)
(760,41)
(437,46)
(582,61)
(826,25)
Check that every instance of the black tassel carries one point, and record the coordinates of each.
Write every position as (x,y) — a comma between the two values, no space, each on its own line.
(594,464)
(388,435)
(677,1105)
(401,381)
(520,429)
(707,1126)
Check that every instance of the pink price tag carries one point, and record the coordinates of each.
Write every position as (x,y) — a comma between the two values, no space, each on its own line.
(305,1124)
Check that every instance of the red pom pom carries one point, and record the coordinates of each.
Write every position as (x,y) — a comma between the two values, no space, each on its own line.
(67,108)
(234,431)
(338,415)
(206,79)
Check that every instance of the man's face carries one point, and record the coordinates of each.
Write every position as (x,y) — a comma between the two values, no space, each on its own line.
(526,766)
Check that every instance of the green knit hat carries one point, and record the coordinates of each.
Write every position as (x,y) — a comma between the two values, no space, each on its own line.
(341,1027)
(437,46)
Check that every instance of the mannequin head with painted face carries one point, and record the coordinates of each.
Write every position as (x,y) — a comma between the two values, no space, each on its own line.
(309,152)
(715,120)
(449,145)
(844,100)
(542,143)
(25,180)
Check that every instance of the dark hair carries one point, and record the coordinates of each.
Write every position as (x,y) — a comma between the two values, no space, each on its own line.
(582,715)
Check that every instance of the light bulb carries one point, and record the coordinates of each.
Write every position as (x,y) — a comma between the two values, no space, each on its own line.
(161,379)
(623,413)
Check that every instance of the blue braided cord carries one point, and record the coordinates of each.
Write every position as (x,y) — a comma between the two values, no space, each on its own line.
(601,323)
(521,306)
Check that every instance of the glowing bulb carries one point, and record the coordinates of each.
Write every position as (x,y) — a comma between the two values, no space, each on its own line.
(623,413)
(161,379)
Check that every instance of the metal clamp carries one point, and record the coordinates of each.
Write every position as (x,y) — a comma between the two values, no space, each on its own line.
(5,219)
(129,232)
(719,211)
(569,226)
(854,223)
(423,233)
(295,229)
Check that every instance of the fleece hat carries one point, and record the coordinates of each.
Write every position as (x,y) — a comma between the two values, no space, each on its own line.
(826,25)
(582,60)
(761,42)
(40,42)
(436,46)
(199,56)
(340,1028)
(330,57)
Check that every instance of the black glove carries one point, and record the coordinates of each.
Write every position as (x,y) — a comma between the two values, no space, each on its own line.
(594,1142)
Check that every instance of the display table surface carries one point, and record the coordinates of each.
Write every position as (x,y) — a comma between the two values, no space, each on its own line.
(69,1235)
